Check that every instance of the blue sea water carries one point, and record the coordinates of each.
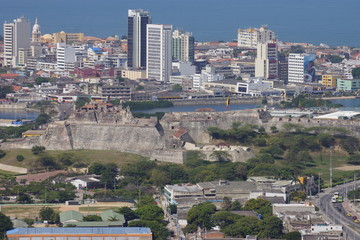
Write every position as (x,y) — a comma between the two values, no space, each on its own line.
(334,22)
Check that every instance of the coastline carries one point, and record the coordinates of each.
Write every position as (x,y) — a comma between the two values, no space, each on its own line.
(343,97)
(212,101)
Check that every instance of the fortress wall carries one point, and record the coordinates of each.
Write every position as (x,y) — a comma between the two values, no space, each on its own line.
(173,156)
(353,127)
(139,140)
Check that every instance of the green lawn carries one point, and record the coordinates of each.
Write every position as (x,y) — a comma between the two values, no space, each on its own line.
(86,156)
(322,166)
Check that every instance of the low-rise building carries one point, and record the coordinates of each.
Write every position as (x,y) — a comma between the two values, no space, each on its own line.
(75,233)
(330,80)
(348,84)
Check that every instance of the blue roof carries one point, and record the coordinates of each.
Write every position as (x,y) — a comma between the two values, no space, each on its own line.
(79,230)
(96,50)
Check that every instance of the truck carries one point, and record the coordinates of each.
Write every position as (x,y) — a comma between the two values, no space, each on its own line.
(336,198)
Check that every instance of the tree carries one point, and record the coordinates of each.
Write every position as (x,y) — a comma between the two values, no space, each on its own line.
(173,209)
(272,227)
(67,159)
(298,196)
(335,59)
(158,229)
(356,73)
(5,225)
(128,213)
(24,198)
(354,159)
(150,212)
(81,101)
(20,158)
(242,227)
(48,214)
(236,205)
(2,153)
(292,236)
(177,88)
(297,49)
(42,119)
(194,159)
(224,218)
(29,222)
(46,160)
(108,175)
(96,168)
(200,215)
(40,80)
(92,218)
(259,205)
(37,149)
(239,78)
(226,204)
(5,90)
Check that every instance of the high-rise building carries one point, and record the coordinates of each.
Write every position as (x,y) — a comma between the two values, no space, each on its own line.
(36,33)
(301,68)
(266,62)
(159,52)
(16,42)
(65,56)
(137,21)
(183,46)
(250,37)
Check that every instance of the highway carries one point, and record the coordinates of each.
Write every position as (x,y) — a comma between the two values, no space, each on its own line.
(335,213)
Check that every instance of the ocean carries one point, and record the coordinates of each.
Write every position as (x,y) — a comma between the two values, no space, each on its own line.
(334,22)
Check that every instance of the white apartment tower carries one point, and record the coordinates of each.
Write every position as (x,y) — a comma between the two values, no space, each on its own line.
(16,42)
(249,38)
(65,57)
(159,52)
(36,33)
(266,62)
(137,21)
(301,68)
(183,46)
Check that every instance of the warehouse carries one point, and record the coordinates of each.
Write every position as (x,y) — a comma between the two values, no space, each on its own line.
(75,233)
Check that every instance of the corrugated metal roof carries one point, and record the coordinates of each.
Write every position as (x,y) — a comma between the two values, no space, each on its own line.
(81,230)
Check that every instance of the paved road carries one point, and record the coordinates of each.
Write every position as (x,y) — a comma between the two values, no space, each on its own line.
(336,213)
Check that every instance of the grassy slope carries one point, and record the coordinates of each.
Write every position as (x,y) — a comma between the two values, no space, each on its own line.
(87,156)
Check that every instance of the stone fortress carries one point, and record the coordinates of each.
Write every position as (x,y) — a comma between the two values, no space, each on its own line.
(166,140)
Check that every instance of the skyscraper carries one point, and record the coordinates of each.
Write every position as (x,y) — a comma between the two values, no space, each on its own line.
(183,46)
(16,42)
(266,62)
(301,68)
(159,52)
(137,21)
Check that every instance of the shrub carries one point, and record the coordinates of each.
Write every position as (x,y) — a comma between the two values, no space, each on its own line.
(20,158)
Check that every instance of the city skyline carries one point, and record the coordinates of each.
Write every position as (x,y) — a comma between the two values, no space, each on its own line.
(301,25)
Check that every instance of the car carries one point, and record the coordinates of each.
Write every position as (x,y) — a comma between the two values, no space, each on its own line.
(348,214)
(357,220)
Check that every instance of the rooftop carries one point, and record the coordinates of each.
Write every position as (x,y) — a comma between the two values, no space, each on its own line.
(81,230)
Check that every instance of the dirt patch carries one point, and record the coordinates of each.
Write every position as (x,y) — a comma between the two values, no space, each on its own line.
(348,168)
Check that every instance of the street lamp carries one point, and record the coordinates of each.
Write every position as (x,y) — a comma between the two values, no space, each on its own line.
(331,169)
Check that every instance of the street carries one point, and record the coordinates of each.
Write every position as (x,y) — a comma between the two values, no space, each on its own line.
(335,213)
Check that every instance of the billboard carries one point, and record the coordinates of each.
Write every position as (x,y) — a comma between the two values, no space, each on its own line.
(309,68)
